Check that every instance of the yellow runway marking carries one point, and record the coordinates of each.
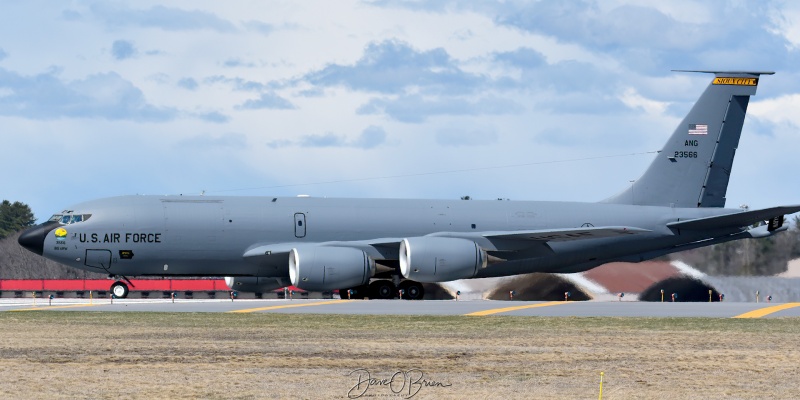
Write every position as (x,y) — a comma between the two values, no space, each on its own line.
(316,303)
(767,310)
(507,309)
(45,308)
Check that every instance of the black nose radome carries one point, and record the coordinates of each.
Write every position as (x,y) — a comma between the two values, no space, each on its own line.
(33,237)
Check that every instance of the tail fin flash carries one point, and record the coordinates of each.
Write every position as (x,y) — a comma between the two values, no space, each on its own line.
(693,168)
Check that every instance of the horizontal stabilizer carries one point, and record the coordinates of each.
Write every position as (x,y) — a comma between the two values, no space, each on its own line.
(741,219)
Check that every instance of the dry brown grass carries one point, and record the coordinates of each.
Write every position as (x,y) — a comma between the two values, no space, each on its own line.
(152,355)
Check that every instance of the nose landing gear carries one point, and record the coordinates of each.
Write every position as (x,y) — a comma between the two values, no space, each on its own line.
(120,289)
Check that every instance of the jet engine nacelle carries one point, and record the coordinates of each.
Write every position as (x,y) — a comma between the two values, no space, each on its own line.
(440,259)
(320,268)
(255,284)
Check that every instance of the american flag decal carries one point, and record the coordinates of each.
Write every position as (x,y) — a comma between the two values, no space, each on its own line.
(698,129)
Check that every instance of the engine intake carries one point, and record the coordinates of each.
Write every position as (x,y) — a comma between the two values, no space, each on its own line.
(319,268)
(439,259)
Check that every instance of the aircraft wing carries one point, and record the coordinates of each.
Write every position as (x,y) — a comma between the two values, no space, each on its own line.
(742,219)
(526,239)
(564,235)
(386,248)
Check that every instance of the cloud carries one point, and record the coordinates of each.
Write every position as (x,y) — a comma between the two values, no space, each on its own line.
(122,49)
(104,95)
(523,57)
(188,83)
(228,140)
(3,54)
(237,62)
(465,137)
(214,116)
(268,101)
(584,103)
(779,110)
(259,27)
(160,17)
(371,137)
(239,84)
(392,66)
(651,38)
(71,15)
(631,98)
(417,109)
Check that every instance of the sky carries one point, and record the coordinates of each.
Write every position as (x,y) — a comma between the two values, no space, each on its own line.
(519,100)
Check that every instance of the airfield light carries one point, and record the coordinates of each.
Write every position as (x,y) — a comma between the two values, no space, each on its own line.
(401,292)
(662,295)
(721,297)
(50,302)
(769,299)
(674,295)
(511,294)
(756,296)
(291,295)
(621,295)
(709,295)
(458,293)
(566,296)
(34,297)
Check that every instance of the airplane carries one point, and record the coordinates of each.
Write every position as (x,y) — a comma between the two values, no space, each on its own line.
(377,248)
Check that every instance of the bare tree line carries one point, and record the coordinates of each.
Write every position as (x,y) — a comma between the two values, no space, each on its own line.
(19,263)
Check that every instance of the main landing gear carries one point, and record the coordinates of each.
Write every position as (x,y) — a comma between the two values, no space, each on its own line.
(412,290)
(384,290)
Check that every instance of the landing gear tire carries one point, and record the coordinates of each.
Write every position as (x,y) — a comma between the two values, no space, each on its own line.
(412,290)
(119,290)
(382,290)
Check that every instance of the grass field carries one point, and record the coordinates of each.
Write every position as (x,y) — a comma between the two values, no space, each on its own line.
(181,355)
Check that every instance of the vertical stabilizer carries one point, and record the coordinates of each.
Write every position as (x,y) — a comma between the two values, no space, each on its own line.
(693,168)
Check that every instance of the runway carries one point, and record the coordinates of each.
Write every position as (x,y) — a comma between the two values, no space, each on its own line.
(473,308)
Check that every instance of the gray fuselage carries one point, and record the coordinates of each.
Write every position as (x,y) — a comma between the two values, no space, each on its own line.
(208,236)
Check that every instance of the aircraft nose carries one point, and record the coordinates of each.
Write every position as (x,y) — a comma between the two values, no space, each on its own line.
(33,237)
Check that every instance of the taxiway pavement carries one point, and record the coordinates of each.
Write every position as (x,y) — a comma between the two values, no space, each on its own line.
(476,308)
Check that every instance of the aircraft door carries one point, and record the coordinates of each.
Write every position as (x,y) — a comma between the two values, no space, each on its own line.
(98,259)
(299,225)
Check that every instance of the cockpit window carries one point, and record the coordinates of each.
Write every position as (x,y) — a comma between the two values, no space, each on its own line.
(66,219)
